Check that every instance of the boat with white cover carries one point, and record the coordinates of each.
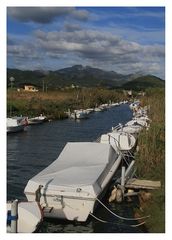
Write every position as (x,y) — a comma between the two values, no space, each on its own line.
(122,141)
(16,124)
(29,217)
(132,129)
(139,122)
(73,182)
(37,120)
(79,114)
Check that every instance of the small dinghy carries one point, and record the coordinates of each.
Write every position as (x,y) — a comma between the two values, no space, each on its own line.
(122,141)
(29,217)
(69,187)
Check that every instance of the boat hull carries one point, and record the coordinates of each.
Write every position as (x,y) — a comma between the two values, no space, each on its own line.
(30,216)
(15,129)
(73,203)
(73,209)
(33,122)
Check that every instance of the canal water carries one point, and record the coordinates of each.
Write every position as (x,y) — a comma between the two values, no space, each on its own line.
(31,151)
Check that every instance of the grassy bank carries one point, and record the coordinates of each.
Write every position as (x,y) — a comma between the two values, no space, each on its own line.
(54,103)
(151,159)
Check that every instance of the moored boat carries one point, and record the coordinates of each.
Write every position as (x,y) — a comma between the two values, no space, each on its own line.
(122,141)
(36,120)
(16,124)
(79,114)
(132,129)
(139,122)
(29,216)
(73,182)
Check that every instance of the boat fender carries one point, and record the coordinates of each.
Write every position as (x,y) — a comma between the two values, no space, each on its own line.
(119,195)
(113,195)
(10,217)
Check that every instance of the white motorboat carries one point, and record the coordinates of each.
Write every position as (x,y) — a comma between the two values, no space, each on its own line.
(134,105)
(89,110)
(37,120)
(73,182)
(122,141)
(143,117)
(137,121)
(16,124)
(29,217)
(79,114)
(132,129)
(98,109)
(115,104)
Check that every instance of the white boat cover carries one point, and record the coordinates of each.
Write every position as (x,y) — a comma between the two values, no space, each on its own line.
(135,122)
(79,165)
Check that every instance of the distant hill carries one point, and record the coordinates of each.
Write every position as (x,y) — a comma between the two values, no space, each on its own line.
(77,75)
(143,82)
(25,77)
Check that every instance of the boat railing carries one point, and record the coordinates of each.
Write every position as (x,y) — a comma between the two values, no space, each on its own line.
(117,127)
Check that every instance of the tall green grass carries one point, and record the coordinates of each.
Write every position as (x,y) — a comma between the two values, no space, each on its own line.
(150,158)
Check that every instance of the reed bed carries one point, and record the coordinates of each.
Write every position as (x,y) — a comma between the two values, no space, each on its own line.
(150,158)
(54,103)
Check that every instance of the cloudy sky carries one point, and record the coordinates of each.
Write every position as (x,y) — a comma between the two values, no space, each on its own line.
(125,40)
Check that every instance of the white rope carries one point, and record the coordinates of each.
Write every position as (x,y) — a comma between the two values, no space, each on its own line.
(104,221)
(100,220)
(116,215)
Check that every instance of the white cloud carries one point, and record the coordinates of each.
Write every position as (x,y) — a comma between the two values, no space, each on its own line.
(91,47)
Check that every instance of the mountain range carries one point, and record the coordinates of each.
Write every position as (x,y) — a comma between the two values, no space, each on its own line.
(82,77)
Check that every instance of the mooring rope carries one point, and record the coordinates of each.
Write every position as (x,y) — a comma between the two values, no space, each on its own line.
(121,224)
(118,216)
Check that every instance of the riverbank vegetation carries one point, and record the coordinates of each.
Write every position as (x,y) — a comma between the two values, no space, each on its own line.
(54,103)
(150,159)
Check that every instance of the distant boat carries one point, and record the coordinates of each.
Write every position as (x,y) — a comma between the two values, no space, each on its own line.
(98,109)
(115,104)
(37,120)
(16,124)
(79,114)
(71,184)
(122,141)
(89,110)
(134,105)
(29,217)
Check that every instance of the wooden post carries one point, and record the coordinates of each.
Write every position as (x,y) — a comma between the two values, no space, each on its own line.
(14,215)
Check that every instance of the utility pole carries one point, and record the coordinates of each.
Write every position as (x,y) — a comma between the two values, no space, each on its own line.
(12,79)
